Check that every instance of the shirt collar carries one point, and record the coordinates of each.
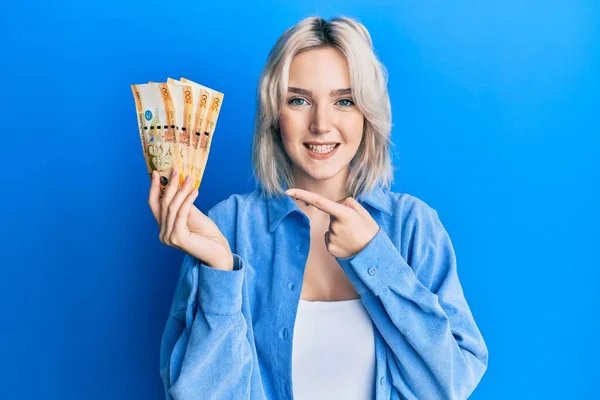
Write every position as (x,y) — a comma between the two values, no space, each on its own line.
(280,207)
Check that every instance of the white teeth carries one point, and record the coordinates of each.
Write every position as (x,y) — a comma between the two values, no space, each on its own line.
(321,149)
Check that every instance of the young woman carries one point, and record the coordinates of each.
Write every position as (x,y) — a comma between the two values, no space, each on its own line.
(336,288)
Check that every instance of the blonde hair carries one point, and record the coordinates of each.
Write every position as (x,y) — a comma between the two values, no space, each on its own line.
(371,164)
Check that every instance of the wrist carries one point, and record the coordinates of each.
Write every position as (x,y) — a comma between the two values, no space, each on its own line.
(226,265)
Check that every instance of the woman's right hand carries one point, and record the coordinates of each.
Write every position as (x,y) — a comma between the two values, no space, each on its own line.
(184,226)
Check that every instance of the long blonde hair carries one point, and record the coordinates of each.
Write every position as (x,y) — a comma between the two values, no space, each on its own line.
(372,163)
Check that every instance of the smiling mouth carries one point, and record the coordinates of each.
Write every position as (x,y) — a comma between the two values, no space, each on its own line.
(321,149)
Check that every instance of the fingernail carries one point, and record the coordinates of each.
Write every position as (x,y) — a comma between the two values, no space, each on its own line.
(173,173)
(187,179)
(289,192)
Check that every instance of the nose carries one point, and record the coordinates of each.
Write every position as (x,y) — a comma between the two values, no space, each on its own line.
(321,120)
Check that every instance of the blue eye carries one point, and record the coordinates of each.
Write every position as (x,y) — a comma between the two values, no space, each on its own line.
(297,101)
(345,102)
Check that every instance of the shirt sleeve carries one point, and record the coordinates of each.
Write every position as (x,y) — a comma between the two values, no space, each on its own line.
(208,349)
(435,349)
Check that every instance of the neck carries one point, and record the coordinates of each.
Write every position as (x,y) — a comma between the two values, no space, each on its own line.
(333,189)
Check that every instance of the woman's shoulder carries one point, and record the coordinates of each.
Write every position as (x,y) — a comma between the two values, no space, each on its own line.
(401,205)
(410,213)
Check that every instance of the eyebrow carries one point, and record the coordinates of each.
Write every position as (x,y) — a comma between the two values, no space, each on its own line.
(309,93)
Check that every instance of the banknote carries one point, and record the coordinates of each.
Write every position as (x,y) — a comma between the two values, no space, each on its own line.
(176,121)
(204,134)
(154,131)
(173,98)
(192,97)
(201,121)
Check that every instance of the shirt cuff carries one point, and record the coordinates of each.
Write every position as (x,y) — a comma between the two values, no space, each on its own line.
(376,266)
(220,291)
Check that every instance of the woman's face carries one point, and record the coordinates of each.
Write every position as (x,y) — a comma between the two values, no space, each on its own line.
(321,127)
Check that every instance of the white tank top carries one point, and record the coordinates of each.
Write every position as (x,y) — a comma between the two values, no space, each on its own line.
(333,353)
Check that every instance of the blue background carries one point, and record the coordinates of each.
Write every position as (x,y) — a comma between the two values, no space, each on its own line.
(496,125)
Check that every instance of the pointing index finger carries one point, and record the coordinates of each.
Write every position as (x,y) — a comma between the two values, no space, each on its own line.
(320,202)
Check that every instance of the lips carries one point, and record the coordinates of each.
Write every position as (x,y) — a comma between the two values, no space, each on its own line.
(321,147)
(307,145)
(320,144)
(321,156)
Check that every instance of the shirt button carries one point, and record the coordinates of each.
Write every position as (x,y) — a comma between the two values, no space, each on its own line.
(291,286)
(371,271)
(284,334)
(301,247)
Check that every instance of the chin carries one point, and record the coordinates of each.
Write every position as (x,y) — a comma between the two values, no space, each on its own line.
(324,174)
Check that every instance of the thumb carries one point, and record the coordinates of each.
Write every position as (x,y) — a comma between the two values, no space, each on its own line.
(196,215)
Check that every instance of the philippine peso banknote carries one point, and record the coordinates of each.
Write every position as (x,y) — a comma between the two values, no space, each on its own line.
(176,121)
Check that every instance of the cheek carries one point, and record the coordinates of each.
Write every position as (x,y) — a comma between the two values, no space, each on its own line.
(353,129)
(291,127)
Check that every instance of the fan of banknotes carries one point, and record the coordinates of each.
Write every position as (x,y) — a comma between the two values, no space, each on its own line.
(177,121)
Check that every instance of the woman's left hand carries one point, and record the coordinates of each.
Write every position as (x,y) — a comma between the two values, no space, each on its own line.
(351,227)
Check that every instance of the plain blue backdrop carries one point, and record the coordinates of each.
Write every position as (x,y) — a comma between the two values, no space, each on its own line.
(496,125)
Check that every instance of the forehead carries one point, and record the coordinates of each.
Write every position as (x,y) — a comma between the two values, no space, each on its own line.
(321,69)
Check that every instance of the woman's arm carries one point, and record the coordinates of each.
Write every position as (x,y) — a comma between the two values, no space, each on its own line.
(437,351)
(208,348)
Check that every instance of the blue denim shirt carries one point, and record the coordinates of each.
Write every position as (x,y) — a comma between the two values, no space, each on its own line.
(229,333)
